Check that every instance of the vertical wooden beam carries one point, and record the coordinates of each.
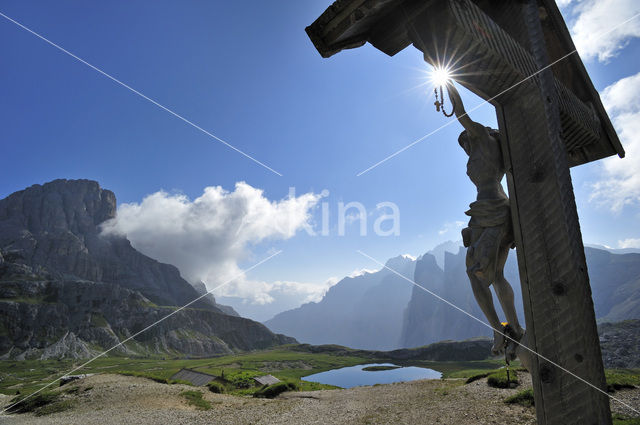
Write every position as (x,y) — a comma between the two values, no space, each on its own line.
(557,299)
(501,42)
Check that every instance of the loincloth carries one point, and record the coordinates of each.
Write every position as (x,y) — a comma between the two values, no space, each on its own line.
(489,231)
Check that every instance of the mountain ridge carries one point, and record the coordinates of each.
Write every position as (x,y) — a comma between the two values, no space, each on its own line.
(615,283)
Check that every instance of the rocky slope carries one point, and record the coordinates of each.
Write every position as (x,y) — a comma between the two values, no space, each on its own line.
(66,290)
(620,344)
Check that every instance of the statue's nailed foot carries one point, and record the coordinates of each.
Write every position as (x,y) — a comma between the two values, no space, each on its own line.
(513,342)
(501,343)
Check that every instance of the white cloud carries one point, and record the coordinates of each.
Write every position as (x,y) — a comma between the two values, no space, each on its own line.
(360,272)
(620,183)
(261,293)
(285,295)
(449,226)
(629,243)
(563,3)
(207,237)
(592,28)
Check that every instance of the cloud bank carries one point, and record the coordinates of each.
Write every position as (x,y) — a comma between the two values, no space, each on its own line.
(629,243)
(620,184)
(206,238)
(594,20)
(286,296)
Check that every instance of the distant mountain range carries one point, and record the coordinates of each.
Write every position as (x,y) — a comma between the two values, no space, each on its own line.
(66,290)
(361,312)
(374,312)
(614,250)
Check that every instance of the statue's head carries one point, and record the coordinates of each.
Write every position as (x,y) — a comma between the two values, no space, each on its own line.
(464,141)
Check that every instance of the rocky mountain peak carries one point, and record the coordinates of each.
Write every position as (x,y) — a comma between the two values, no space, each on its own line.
(400,262)
(56,227)
(78,206)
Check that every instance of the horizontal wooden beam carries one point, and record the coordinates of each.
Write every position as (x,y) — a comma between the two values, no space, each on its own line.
(388,24)
(488,61)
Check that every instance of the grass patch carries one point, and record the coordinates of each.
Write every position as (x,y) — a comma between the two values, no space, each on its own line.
(216,387)
(469,369)
(242,379)
(315,386)
(98,320)
(523,398)
(72,390)
(618,379)
(477,377)
(32,403)
(58,406)
(499,379)
(619,419)
(473,375)
(44,403)
(194,398)
(276,389)
(378,368)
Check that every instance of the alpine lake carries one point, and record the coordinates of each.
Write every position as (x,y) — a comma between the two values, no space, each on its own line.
(371,374)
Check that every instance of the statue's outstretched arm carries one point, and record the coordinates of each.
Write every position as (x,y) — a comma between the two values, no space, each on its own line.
(463,118)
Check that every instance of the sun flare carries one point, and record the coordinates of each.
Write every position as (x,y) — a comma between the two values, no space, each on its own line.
(440,76)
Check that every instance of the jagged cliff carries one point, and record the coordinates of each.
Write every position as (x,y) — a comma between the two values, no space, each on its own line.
(67,290)
(427,319)
(614,279)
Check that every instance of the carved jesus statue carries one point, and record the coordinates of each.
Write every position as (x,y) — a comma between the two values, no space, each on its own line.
(489,235)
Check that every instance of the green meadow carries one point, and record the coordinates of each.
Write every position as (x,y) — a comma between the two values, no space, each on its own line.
(287,363)
(235,372)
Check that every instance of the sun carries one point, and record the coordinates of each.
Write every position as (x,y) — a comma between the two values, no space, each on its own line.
(440,76)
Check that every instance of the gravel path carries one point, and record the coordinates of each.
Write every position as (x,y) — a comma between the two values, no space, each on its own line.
(115,399)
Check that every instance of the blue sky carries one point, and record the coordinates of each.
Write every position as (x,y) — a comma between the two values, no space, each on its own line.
(248,73)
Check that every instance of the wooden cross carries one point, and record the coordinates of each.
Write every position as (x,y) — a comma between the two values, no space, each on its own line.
(519,56)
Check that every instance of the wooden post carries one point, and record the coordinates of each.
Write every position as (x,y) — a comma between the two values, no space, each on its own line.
(558,307)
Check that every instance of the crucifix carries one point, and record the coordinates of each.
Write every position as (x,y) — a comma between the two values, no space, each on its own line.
(519,56)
